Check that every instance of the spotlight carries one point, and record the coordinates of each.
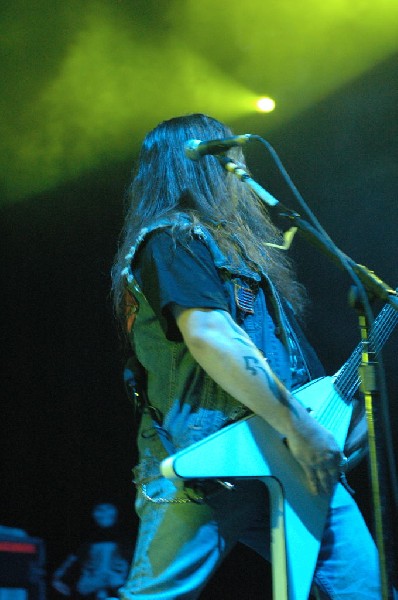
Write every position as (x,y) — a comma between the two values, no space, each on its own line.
(265,104)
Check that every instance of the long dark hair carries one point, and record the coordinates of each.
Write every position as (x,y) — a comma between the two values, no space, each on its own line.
(168,184)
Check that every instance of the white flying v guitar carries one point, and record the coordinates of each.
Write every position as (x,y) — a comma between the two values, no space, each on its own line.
(252,448)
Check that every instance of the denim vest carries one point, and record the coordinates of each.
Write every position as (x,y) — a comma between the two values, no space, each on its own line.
(191,404)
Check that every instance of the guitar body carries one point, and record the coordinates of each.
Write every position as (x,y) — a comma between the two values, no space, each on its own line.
(252,448)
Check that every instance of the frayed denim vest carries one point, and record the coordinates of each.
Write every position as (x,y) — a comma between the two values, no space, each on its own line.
(190,404)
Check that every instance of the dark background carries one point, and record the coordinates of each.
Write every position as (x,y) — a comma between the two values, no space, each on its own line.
(69,430)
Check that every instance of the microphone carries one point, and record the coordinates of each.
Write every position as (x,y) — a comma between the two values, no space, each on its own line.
(195,149)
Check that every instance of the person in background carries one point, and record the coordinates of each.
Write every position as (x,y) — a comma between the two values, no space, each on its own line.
(100,565)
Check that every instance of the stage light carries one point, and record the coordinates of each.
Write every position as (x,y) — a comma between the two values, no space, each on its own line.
(265,104)
(76,101)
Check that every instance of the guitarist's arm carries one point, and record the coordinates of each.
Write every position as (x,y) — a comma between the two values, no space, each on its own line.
(228,355)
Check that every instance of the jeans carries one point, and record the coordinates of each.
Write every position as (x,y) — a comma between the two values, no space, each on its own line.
(181,544)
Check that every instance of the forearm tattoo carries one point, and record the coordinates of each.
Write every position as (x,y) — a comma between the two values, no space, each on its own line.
(246,343)
(253,366)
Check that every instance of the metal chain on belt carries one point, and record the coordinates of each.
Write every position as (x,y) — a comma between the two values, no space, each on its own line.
(196,498)
(185,500)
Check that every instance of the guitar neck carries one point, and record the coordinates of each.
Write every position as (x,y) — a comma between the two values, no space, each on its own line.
(348,380)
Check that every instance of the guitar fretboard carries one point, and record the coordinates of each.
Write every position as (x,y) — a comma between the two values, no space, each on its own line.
(348,380)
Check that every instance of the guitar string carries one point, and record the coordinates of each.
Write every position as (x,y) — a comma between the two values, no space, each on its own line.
(330,414)
(334,412)
(377,339)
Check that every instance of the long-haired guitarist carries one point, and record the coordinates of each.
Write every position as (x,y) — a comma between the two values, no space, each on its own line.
(211,307)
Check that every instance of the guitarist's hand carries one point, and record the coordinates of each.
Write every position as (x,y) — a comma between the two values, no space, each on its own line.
(317,452)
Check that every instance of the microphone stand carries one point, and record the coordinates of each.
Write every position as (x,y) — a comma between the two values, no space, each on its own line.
(370,371)
(371,377)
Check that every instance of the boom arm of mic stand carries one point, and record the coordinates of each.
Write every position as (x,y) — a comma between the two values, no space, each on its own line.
(369,279)
(373,284)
